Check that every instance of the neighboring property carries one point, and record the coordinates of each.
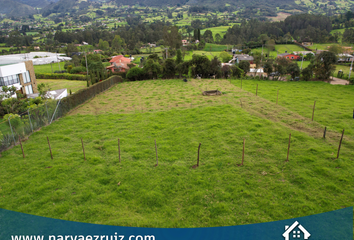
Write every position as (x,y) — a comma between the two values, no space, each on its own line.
(119,64)
(54,94)
(184,42)
(36,48)
(152,44)
(307,43)
(296,231)
(304,53)
(289,56)
(241,57)
(20,75)
(344,57)
(97,51)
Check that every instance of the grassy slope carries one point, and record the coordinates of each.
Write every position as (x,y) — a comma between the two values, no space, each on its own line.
(60,84)
(218,193)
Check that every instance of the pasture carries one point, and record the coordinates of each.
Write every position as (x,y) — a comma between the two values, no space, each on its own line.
(47,68)
(219,192)
(62,83)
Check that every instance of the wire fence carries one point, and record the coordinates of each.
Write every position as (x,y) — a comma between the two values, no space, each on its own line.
(24,124)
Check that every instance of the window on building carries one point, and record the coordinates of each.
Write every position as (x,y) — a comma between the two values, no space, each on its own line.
(26,77)
(29,89)
(9,80)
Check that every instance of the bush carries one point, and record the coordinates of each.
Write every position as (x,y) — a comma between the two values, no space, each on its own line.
(76,70)
(14,119)
(66,76)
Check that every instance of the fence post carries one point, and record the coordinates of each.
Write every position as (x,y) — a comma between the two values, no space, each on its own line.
(340,144)
(198,154)
(243,151)
(47,111)
(50,149)
(157,158)
(55,111)
(11,130)
(287,157)
(119,149)
(277,96)
(83,149)
(257,90)
(324,133)
(313,111)
(23,153)
(29,116)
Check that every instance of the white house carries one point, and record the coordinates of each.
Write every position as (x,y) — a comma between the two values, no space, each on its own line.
(20,75)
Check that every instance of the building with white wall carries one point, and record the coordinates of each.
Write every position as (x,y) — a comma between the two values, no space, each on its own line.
(20,75)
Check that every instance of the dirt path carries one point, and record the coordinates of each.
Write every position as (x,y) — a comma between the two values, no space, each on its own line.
(338,81)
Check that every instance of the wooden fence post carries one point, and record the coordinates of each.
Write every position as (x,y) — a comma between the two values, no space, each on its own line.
(243,151)
(257,90)
(313,111)
(340,144)
(287,157)
(50,149)
(324,133)
(157,158)
(23,153)
(83,149)
(277,96)
(119,149)
(198,154)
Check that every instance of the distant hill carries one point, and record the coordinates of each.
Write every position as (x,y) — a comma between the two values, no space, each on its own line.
(16,9)
(36,3)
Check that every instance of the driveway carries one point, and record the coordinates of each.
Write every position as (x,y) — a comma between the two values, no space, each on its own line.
(338,81)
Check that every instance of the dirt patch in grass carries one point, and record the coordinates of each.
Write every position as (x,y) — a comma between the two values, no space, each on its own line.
(280,17)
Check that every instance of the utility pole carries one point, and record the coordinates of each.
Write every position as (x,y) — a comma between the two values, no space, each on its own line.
(86,64)
(58,60)
(351,67)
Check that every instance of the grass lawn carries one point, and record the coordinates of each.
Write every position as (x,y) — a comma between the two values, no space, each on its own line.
(219,192)
(221,30)
(281,48)
(60,84)
(210,55)
(47,68)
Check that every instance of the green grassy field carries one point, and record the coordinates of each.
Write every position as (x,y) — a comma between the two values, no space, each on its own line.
(219,192)
(217,30)
(47,68)
(60,84)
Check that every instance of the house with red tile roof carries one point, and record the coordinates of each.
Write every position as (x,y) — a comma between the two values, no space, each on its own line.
(119,64)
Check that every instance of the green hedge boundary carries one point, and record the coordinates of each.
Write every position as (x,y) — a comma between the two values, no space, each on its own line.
(66,76)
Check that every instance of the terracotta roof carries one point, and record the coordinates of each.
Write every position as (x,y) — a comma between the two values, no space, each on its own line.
(120,58)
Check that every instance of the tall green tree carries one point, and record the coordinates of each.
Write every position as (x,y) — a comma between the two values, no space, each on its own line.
(324,65)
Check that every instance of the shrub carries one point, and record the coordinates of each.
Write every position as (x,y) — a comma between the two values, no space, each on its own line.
(76,70)
(14,119)
(66,76)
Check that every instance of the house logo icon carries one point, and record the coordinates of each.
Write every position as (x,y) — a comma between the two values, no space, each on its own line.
(296,231)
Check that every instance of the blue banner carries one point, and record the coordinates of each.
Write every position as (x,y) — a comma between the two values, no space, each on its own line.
(330,225)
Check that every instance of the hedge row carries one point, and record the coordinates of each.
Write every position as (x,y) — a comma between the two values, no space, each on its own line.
(66,76)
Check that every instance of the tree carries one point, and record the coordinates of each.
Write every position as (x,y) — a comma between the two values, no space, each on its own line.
(172,37)
(215,67)
(169,68)
(198,34)
(309,56)
(7,92)
(245,66)
(307,73)
(152,68)
(218,38)
(117,43)
(268,67)
(236,71)
(324,65)
(135,73)
(103,45)
(208,36)
(179,57)
(336,49)
(293,69)
(225,57)
(43,89)
(225,71)
(71,48)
